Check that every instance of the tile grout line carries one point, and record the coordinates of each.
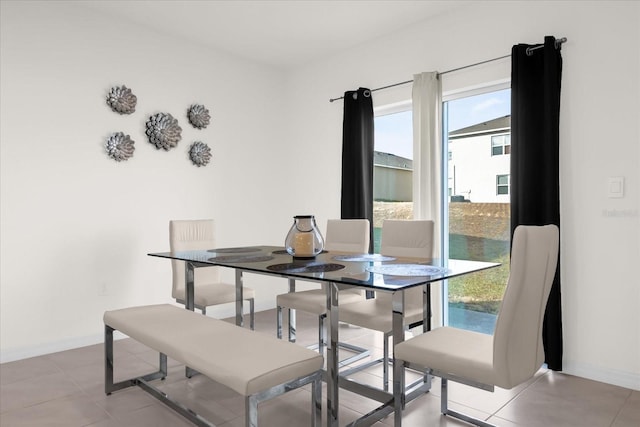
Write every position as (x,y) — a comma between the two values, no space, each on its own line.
(513,398)
(621,408)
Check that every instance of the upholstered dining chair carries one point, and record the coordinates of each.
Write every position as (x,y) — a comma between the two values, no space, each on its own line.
(185,235)
(400,238)
(514,353)
(342,236)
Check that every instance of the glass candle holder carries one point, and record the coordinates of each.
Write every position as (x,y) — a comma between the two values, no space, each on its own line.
(304,239)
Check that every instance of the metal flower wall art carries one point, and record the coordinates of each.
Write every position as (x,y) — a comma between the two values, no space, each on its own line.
(122,100)
(199,116)
(200,153)
(120,146)
(163,131)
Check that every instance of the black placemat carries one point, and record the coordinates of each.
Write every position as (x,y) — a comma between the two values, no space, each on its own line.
(241,258)
(310,268)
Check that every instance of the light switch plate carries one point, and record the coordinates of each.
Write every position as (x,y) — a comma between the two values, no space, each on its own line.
(616,187)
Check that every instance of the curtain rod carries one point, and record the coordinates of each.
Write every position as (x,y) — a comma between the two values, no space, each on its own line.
(529,51)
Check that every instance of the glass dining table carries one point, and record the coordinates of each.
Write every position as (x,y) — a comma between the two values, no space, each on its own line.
(372,272)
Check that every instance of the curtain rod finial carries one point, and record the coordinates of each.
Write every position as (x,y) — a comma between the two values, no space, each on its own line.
(560,41)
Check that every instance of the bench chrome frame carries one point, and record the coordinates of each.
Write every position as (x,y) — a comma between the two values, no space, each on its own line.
(251,401)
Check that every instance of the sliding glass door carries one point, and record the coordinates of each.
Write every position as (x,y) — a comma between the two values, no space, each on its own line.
(477,208)
(475,193)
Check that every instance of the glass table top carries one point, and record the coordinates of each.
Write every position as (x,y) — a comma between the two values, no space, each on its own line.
(372,271)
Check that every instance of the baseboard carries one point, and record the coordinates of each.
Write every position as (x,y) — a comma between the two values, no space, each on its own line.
(12,355)
(625,379)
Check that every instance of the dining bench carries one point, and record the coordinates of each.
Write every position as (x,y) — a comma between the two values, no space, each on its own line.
(255,365)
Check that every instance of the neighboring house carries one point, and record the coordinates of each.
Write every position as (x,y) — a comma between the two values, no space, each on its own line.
(392,177)
(479,158)
(478,166)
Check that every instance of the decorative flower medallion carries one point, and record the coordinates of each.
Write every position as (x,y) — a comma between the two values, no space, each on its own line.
(200,153)
(163,131)
(120,146)
(199,116)
(122,100)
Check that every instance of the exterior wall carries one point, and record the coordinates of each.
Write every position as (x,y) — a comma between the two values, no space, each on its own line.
(473,170)
(392,184)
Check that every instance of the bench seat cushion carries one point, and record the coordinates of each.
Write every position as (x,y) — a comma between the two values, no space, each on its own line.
(244,360)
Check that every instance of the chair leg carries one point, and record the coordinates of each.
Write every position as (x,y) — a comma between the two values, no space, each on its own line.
(292,324)
(444,407)
(252,314)
(279,322)
(399,399)
(385,360)
(316,402)
(321,336)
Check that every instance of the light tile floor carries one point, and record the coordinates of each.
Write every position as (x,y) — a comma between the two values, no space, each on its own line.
(67,389)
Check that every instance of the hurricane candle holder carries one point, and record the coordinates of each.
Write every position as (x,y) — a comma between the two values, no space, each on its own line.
(304,239)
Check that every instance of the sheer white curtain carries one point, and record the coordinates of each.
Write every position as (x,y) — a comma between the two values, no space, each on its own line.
(427,152)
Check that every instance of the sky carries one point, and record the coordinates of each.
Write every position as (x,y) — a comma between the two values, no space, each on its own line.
(394,132)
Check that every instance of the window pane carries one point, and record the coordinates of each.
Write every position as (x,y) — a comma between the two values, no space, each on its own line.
(392,170)
(478,207)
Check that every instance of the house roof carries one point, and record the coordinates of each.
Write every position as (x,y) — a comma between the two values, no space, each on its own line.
(499,125)
(391,160)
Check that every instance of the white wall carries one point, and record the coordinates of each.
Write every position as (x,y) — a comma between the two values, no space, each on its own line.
(599,134)
(72,219)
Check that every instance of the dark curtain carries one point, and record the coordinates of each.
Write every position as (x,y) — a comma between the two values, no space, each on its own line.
(357,158)
(535,197)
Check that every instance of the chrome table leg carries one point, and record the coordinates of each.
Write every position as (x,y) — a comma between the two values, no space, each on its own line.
(332,355)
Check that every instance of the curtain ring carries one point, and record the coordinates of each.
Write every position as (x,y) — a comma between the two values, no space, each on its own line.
(367,93)
(355,95)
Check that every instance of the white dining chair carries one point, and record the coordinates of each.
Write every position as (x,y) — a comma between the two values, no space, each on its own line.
(209,290)
(514,353)
(343,236)
(400,238)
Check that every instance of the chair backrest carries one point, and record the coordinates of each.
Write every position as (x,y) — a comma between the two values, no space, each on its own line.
(347,235)
(517,343)
(407,238)
(186,235)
